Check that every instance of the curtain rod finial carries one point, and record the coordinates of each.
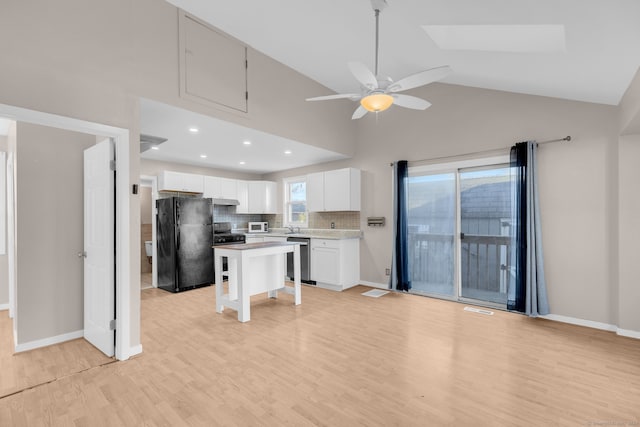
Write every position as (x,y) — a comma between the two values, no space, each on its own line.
(567,138)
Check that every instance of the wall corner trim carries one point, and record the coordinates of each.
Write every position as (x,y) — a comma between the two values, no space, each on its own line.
(135,350)
(48,341)
(592,324)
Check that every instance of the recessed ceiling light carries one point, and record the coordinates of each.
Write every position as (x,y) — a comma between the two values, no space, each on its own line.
(203,156)
(247,142)
(194,130)
(242,163)
(498,38)
(155,147)
(287,152)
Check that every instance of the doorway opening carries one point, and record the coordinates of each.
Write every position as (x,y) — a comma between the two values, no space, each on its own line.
(148,249)
(123,323)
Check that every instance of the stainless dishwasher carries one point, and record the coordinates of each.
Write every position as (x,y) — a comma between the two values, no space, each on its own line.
(305,260)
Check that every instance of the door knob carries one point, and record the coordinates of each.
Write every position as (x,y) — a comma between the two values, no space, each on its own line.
(82,254)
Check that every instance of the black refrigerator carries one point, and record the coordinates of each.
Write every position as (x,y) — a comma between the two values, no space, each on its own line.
(184,236)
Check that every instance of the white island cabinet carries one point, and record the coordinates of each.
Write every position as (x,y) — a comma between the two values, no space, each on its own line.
(336,190)
(335,264)
(252,269)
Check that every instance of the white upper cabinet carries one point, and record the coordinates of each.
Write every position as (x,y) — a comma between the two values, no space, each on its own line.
(336,190)
(220,188)
(181,182)
(271,195)
(254,197)
(243,197)
(262,197)
(315,192)
(213,66)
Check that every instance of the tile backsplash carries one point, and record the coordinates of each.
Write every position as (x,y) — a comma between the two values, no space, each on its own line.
(343,220)
(228,214)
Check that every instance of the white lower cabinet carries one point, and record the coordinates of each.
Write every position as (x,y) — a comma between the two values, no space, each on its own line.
(335,264)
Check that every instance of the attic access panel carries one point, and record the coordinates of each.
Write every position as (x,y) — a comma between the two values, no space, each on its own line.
(213,66)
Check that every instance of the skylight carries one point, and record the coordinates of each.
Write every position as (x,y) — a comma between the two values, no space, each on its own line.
(498,38)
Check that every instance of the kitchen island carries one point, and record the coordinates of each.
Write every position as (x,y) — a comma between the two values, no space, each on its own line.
(254,268)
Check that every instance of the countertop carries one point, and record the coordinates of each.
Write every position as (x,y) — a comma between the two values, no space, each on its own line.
(259,245)
(311,233)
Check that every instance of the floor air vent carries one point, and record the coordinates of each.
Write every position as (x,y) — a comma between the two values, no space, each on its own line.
(375,293)
(479,310)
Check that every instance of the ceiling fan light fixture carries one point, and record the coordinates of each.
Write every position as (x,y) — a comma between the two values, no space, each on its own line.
(376,102)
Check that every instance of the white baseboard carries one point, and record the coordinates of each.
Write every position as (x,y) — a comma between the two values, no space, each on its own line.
(628,333)
(48,341)
(384,286)
(4,307)
(591,324)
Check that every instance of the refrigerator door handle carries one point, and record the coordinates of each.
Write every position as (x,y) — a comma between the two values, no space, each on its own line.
(178,239)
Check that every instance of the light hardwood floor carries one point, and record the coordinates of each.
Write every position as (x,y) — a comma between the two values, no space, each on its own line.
(32,368)
(342,359)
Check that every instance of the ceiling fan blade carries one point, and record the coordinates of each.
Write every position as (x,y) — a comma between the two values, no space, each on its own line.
(408,101)
(360,111)
(352,96)
(420,79)
(363,75)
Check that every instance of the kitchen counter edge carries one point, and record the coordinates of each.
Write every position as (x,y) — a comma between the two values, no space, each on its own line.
(314,234)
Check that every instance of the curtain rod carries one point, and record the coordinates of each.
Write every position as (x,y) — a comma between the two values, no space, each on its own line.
(566,138)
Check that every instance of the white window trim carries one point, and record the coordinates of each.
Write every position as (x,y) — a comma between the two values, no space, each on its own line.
(285,211)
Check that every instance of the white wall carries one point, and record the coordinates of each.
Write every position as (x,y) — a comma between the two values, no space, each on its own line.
(577,179)
(628,213)
(4,274)
(93,59)
(629,235)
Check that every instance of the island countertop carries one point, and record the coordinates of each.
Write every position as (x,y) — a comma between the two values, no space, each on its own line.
(257,245)
(310,233)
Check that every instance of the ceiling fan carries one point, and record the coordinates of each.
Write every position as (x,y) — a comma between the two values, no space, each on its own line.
(380,92)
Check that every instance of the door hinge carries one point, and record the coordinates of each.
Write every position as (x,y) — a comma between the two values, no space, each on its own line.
(246,63)
(112,165)
(112,325)
(246,96)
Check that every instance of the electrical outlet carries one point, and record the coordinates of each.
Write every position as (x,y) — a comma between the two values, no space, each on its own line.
(333,225)
(387,271)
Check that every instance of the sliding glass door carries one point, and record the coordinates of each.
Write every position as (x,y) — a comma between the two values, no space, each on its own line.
(459,218)
(485,218)
(432,224)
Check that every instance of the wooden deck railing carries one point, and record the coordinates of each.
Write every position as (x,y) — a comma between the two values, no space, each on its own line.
(485,260)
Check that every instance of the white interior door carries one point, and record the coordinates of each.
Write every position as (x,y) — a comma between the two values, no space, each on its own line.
(99,277)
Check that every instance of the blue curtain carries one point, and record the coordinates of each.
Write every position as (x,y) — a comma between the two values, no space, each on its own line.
(527,291)
(400,277)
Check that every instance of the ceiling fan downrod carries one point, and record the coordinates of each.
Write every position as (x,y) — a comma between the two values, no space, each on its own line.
(377,37)
(377,6)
